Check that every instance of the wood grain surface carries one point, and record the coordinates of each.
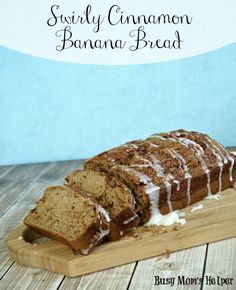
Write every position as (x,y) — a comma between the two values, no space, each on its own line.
(211,258)
(216,221)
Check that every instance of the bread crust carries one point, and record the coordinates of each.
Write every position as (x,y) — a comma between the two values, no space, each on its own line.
(125,220)
(123,160)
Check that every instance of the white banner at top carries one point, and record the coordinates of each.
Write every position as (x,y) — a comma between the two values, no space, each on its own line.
(117,32)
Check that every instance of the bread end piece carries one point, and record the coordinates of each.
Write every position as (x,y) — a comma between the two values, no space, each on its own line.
(70,217)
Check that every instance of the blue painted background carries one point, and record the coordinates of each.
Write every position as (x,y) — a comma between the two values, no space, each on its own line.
(55,111)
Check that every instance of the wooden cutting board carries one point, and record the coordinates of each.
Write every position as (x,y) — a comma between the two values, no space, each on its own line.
(216,221)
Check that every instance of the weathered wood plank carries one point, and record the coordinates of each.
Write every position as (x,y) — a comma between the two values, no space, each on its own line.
(117,276)
(14,216)
(13,184)
(216,221)
(221,262)
(232,148)
(59,170)
(114,278)
(22,177)
(4,170)
(187,263)
(40,279)
(20,277)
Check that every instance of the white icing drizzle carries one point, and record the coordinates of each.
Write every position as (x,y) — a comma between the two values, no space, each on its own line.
(197,207)
(168,189)
(185,170)
(199,152)
(152,191)
(181,160)
(160,172)
(152,144)
(178,184)
(104,212)
(101,233)
(166,220)
(164,138)
(181,213)
(214,196)
(219,157)
(129,220)
(86,251)
(223,158)
(231,159)
(129,145)
(133,145)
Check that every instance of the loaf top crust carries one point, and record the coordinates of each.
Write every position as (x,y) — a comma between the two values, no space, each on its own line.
(153,167)
(173,156)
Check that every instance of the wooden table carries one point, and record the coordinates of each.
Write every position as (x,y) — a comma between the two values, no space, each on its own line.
(21,185)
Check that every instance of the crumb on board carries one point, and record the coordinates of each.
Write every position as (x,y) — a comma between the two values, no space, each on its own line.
(176,227)
(136,234)
(167,253)
(75,252)
(154,229)
(133,233)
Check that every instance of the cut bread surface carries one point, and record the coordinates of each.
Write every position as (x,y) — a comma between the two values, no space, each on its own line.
(69,216)
(112,194)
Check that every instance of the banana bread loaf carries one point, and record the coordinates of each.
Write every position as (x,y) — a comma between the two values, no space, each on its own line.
(69,216)
(111,194)
(168,171)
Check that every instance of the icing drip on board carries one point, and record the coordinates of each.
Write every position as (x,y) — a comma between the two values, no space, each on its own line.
(166,220)
(197,207)
(214,196)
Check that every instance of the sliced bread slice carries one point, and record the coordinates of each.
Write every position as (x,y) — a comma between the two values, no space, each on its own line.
(69,216)
(112,194)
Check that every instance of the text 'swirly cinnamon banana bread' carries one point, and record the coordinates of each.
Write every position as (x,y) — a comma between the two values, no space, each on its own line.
(69,216)
(168,171)
(110,193)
